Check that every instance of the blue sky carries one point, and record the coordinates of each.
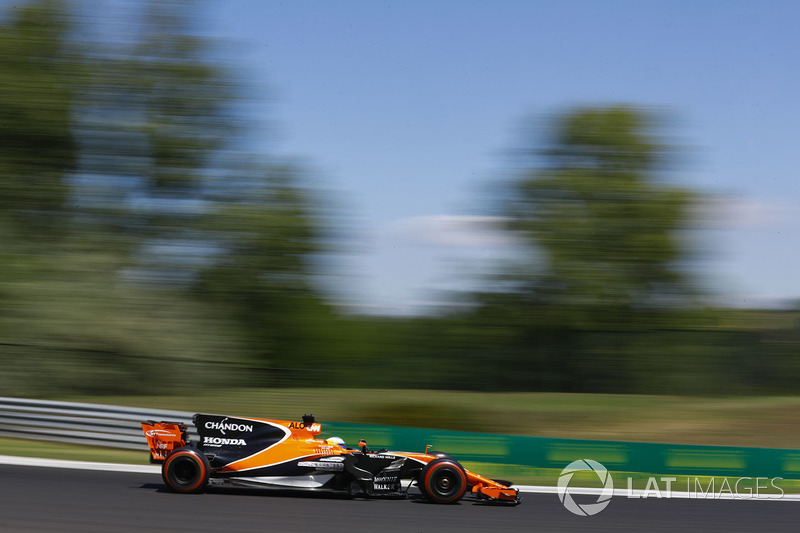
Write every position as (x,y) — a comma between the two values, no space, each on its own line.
(408,110)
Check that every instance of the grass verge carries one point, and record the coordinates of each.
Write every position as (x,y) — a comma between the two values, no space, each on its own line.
(767,422)
(71,452)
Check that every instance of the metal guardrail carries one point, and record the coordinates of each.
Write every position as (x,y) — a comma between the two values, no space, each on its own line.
(82,423)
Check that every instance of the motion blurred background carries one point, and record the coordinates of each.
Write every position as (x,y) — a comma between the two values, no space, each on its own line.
(150,242)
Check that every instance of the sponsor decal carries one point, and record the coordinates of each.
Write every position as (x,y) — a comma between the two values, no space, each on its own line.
(159,433)
(223,425)
(303,425)
(220,441)
(335,459)
(386,483)
(319,465)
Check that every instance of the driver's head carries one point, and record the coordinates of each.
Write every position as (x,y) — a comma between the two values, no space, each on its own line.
(336,441)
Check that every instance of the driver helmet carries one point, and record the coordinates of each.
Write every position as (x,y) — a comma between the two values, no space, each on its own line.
(336,441)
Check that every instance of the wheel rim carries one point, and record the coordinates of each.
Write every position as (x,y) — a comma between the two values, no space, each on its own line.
(446,484)
(185,471)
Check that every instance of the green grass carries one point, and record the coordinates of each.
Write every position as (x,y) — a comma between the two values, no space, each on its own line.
(72,452)
(736,421)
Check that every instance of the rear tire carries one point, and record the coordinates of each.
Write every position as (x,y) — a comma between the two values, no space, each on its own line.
(186,470)
(443,481)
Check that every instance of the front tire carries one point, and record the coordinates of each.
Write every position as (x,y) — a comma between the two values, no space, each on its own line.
(440,455)
(186,470)
(443,481)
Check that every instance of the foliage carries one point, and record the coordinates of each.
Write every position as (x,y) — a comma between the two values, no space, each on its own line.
(603,303)
(141,251)
(37,146)
(595,207)
(124,148)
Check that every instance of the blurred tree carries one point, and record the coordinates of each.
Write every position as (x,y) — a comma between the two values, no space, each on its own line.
(154,122)
(262,273)
(594,206)
(127,145)
(38,152)
(162,131)
(136,246)
(603,234)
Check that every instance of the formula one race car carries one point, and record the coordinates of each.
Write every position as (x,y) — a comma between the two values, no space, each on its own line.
(253,452)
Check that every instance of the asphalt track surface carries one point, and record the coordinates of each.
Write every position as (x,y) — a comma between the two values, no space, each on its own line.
(55,499)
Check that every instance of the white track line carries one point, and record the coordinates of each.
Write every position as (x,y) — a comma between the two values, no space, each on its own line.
(675,495)
(537,489)
(78,465)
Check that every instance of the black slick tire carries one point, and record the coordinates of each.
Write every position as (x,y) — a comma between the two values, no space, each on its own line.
(440,455)
(443,481)
(186,470)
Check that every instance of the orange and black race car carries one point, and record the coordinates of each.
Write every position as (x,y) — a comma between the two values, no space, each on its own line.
(253,452)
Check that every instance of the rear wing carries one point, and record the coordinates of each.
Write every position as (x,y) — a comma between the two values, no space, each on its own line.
(163,438)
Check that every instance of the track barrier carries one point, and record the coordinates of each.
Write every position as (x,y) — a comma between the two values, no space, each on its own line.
(118,427)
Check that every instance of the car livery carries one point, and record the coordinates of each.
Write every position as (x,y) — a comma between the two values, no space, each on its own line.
(254,452)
